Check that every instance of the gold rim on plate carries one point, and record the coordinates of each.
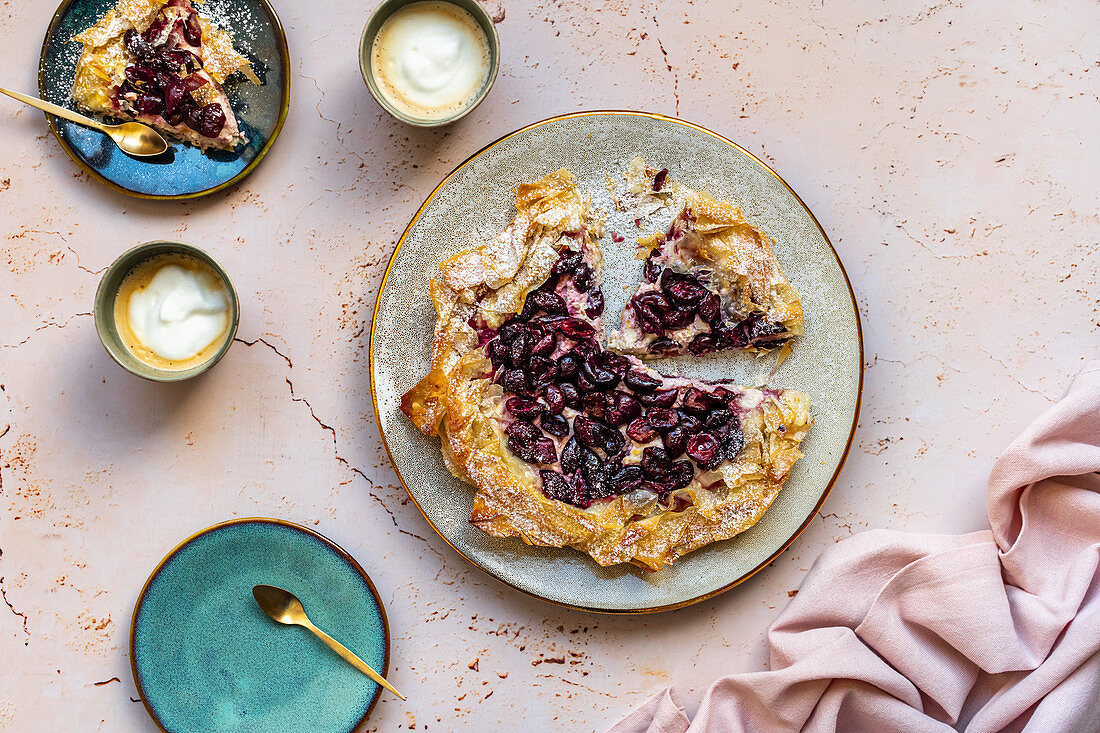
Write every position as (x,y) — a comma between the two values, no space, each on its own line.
(859,335)
(282,523)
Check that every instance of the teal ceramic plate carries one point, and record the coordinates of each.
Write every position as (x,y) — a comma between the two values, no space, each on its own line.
(206,658)
(183,171)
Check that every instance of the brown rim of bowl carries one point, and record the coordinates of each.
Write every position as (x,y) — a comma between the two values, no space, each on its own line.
(859,388)
(485,21)
(165,376)
(277,24)
(261,520)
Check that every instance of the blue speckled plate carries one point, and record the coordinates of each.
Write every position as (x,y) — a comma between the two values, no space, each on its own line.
(206,658)
(183,171)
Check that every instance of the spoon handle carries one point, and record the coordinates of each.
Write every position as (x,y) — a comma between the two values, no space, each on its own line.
(351,659)
(53,109)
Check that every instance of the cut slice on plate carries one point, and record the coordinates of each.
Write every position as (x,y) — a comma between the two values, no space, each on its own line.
(711,282)
(573,445)
(161,63)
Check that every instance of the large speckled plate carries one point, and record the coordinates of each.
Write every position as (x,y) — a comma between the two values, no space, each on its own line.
(477,200)
(182,171)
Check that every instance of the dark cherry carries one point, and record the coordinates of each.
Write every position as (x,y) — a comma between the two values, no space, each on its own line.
(662,419)
(651,270)
(192,31)
(705,450)
(621,408)
(640,382)
(675,441)
(659,398)
(556,486)
(640,430)
(510,331)
(697,401)
(680,475)
(555,425)
(718,418)
(587,431)
(571,395)
(524,408)
(156,28)
(497,352)
(193,82)
(690,423)
(594,403)
(663,346)
(174,92)
(580,491)
(568,262)
(595,476)
(687,290)
(572,455)
(733,443)
(603,379)
(648,320)
(626,479)
(213,120)
(583,277)
(569,365)
(149,104)
(193,118)
(659,179)
(654,300)
(514,381)
(555,399)
(552,303)
(543,371)
(584,384)
(137,44)
(755,327)
(614,442)
(518,350)
(139,75)
(575,328)
(703,344)
(655,462)
(594,308)
(710,309)
(527,442)
(677,318)
(544,345)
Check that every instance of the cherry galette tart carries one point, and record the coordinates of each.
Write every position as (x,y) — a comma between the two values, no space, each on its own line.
(573,445)
(712,281)
(161,63)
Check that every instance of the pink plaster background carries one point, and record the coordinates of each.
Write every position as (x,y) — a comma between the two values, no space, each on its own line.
(950,152)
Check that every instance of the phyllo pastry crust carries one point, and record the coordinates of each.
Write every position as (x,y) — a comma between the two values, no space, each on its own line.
(572,445)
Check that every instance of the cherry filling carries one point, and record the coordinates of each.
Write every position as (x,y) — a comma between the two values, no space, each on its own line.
(576,411)
(683,300)
(161,79)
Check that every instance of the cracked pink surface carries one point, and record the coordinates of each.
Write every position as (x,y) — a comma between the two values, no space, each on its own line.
(946,150)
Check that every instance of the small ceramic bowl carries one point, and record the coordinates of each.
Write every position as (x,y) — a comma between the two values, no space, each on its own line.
(366,43)
(105,310)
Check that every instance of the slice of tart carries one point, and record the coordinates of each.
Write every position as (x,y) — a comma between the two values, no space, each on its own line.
(573,445)
(161,63)
(711,282)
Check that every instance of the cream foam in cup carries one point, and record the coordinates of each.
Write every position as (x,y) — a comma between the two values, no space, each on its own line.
(428,62)
(166,311)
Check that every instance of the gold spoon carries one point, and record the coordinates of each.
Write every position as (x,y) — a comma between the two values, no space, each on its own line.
(284,607)
(132,137)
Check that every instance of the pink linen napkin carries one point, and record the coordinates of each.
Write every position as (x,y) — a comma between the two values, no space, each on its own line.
(992,631)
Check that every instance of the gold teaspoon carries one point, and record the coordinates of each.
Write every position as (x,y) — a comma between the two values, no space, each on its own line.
(131,137)
(284,607)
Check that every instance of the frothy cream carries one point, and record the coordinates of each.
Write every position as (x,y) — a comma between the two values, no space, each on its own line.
(430,59)
(173,312)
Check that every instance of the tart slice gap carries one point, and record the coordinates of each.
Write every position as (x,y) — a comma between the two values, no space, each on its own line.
(161,63)
(711,282)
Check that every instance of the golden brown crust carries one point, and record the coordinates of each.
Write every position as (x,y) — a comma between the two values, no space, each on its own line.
(458,401)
